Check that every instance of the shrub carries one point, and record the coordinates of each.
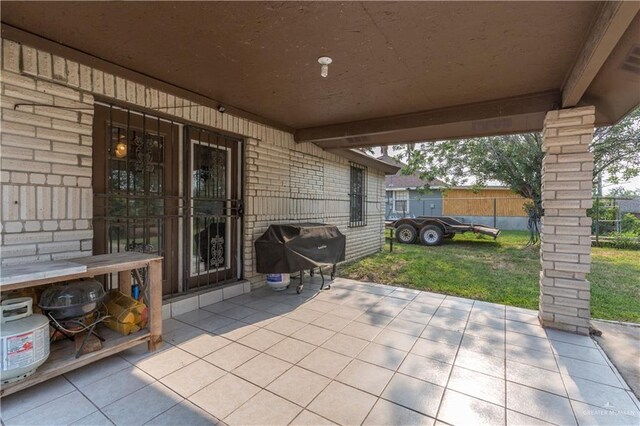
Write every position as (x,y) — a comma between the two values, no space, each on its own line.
(623,240)
(630,224)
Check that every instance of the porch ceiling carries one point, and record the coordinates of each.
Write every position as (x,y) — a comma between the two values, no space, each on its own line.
(402,72)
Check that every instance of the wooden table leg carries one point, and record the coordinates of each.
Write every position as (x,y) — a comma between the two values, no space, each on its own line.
(124,282)
(155,304)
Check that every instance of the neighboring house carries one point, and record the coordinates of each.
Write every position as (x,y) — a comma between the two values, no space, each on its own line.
(497,206)
(97,161)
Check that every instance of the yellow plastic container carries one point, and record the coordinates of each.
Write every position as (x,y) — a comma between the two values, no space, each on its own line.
(128,315)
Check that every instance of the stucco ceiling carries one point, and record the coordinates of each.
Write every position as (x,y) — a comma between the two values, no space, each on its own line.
(389,59)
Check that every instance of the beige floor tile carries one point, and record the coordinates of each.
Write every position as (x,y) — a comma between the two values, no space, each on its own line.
(213,322)
(299,385)
(142,405)
(519,419)
(331,322)
(486,333)
(320,306)
(260,319)
(361,330)
(313,334)
(193,316)
(531,357)
(236,330)
(61,411)
(231,356)
(459,409)
(413,393)
(415,316)
(396,340)
(541,405)
(307,418)
(23,401)
(534,377)
(291,350)
(347,312)
(346,345)
(264,409)
(262,370)
(435,350)
(478,385)
(94,419)
(190,379)
(386,413)
(384,356)
(224,395)
(373,319)
(442,335)
(495,349)
(427,369)
(342,404)
(261,339)
(165,362)
(407,327)
(325,362)
(286,326)
(185,413)
(204,344)
(364,376)
(118,385)
(481,363)
(305,315)
(96,371)
(188,332)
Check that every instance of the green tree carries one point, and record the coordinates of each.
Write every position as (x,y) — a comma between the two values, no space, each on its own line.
(516,160)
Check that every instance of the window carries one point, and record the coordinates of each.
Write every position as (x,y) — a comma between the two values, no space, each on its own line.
(401,202)
(358,196)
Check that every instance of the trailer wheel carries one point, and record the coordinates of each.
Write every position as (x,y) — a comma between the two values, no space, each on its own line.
(406,234)
(431,235)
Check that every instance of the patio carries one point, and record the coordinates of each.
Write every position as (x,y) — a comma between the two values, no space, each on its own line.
(359,353)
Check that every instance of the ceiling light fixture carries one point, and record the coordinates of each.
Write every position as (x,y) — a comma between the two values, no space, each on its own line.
(324,61)
(222,109)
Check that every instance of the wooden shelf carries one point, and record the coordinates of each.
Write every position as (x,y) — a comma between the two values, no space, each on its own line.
(62,357)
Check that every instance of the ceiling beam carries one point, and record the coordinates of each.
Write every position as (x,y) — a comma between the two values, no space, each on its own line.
(612,21)
(504,116)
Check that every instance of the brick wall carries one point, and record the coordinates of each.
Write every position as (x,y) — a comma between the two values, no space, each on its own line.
(46,162)
(567,174)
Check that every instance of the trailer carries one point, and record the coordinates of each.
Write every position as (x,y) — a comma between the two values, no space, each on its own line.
(433,230)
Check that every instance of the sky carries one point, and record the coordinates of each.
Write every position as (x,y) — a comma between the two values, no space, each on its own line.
(632,184)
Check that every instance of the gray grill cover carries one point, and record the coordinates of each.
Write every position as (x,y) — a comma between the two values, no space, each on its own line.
(295,247)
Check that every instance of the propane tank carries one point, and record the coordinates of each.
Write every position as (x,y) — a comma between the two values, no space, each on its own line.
(24,339)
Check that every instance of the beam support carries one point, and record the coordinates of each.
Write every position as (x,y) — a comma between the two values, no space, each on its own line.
(612,21)
(503,116)
(567,180)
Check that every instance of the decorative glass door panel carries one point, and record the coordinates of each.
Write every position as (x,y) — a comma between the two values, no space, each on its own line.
(214,211)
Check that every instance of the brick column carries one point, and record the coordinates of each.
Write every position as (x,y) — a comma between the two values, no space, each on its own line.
(567,174)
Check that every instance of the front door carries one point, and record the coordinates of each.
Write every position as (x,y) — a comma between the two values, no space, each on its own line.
(135,180)
(213,209)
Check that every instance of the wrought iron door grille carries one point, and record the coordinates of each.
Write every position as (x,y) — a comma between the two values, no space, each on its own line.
(135,198)
(213,208)
(357,195)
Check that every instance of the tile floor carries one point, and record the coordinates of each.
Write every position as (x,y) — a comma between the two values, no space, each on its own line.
(355,354)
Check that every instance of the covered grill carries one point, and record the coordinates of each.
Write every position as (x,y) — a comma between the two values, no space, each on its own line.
(293,247)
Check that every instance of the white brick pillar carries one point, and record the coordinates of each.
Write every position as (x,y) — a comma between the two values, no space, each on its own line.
(567,175)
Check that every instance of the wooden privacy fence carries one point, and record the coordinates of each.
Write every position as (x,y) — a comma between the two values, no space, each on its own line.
(487,202)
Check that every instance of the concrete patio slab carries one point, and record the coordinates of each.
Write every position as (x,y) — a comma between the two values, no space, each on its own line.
(355,354)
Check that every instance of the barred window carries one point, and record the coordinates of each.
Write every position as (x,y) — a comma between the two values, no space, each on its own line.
(358,196)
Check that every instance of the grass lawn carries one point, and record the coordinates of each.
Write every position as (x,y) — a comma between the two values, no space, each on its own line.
(501,271)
